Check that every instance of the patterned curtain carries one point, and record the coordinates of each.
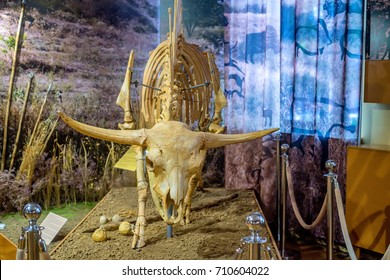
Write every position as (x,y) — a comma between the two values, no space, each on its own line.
(296,65)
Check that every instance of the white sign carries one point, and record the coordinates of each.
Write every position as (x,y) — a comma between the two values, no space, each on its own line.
(52,225)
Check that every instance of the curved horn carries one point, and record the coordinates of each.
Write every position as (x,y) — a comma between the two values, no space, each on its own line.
(127,137)
(218,140)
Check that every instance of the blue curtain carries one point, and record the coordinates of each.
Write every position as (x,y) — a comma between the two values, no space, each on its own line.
(295,65)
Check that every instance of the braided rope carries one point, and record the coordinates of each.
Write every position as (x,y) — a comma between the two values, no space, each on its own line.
(20,254)
(295,206)
(344,228)
(343,223)
(386,256)
(340,211)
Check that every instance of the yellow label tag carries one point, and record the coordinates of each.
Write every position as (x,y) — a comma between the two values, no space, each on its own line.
(128,161)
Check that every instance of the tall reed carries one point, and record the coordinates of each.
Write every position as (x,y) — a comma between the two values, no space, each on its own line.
(84,172)
(67,155)
(34,150)
(22,116)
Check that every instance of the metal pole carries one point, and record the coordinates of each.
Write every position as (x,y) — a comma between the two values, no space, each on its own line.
(15,63)
(256,224)
(330,165)
(32,212)
(284,149)
(32,246)
(254,251)
(277,138)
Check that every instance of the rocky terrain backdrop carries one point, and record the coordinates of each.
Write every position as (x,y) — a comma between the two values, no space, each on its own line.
(82,51)
(81,48)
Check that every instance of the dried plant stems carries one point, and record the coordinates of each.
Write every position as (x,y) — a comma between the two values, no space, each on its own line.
(53,177)
(67,154)
(23,114)
(52,183)
(56,178)
(15,62)
(114,159)
(85,172)
(39,115)
(43,148)
(30,155)
(107,173)
(34,151)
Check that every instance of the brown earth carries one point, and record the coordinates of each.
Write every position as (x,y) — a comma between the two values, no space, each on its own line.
(214,232)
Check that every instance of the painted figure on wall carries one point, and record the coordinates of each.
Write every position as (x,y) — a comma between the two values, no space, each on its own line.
(302,72)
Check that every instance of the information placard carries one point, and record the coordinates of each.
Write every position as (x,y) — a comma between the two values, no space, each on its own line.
(52,225)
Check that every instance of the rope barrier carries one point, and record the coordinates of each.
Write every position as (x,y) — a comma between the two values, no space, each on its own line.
(386,256)
(340,210)
(343,223)
(295,206)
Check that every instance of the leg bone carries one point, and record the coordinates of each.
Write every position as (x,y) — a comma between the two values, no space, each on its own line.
(142,187)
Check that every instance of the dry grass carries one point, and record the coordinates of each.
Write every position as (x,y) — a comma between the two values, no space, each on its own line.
(35,149)
(67,155)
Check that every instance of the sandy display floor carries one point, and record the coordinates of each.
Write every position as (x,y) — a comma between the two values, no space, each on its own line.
(217,226)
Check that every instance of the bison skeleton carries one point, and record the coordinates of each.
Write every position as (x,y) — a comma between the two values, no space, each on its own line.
(174,98)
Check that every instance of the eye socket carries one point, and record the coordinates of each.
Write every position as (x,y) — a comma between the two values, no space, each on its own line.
(154,159)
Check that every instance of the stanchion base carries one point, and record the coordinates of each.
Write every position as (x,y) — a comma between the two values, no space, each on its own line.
(290,254)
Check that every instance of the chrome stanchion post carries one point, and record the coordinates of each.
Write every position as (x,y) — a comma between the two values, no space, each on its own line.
(330,165)
(283,200)
(239,251)
(32,212)
(256,224)
(277,138)
(21,249)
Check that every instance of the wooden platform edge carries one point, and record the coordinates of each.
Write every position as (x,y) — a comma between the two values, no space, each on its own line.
(8,248)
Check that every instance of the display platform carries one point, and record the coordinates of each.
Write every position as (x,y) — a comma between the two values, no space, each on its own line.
(218,222)
(368,197)
(7,248)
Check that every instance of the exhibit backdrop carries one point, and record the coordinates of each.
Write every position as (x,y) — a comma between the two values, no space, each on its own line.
(294,65)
